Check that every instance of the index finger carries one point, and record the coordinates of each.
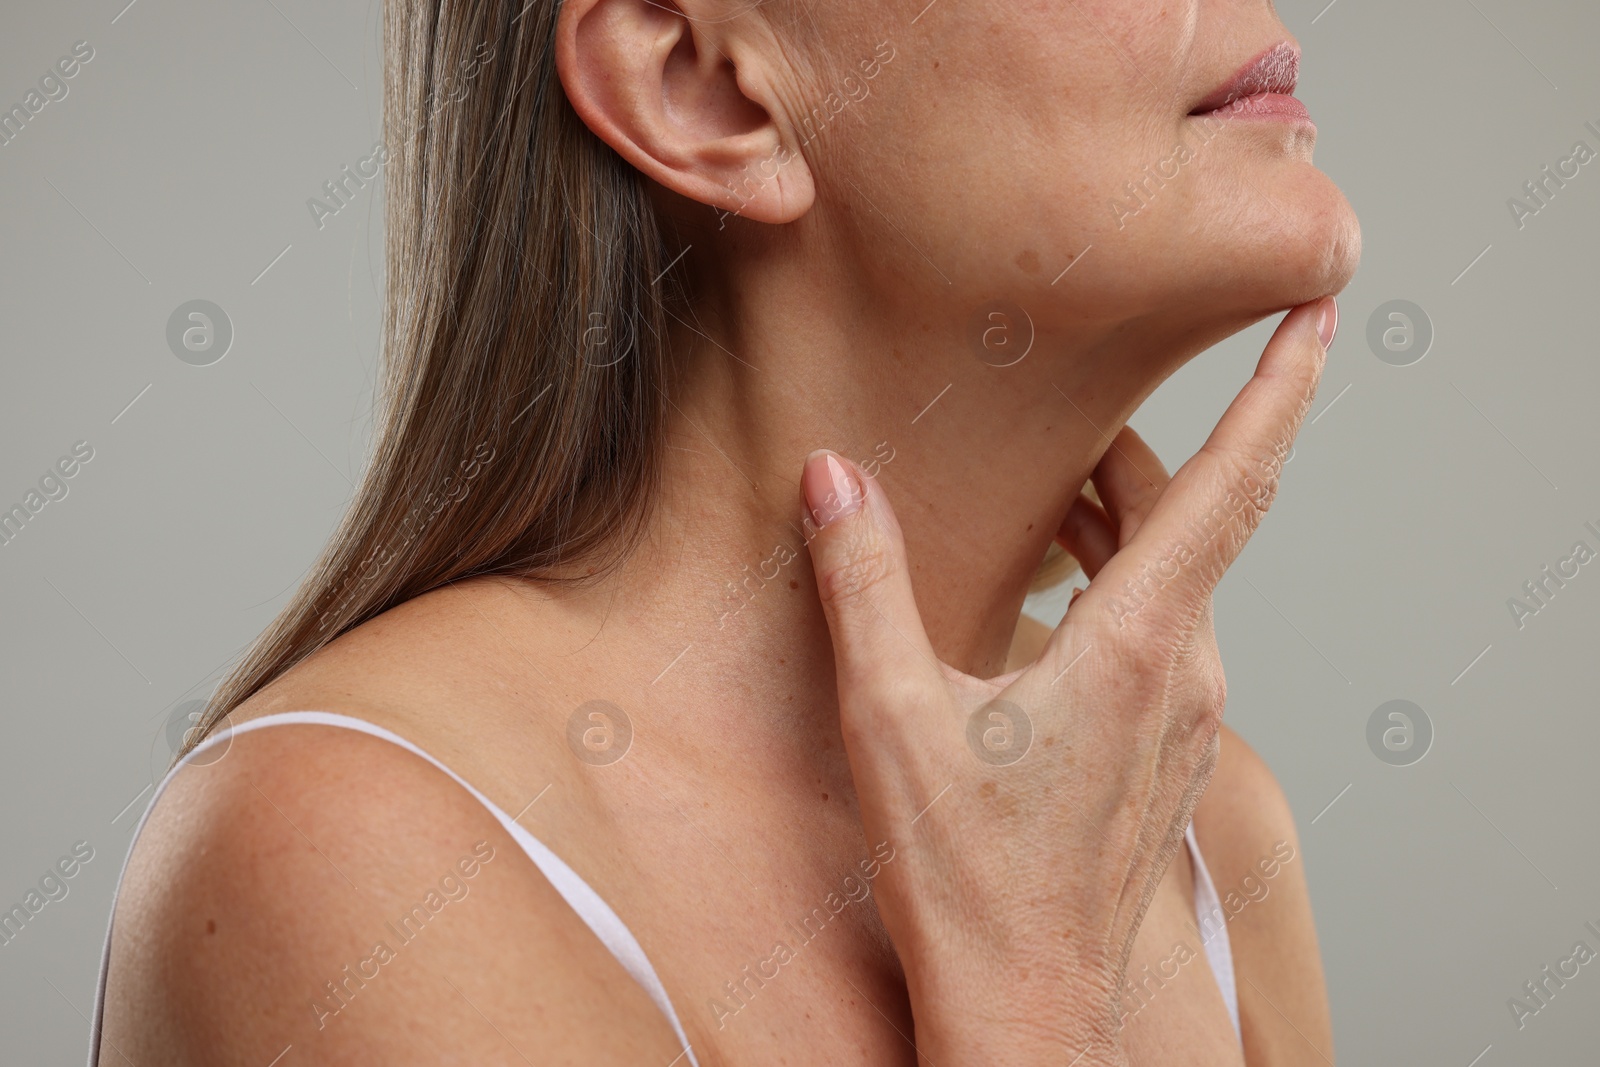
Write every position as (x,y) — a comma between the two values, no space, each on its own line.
(1201,521)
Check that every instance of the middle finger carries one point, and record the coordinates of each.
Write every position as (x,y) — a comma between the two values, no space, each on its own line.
(1129,478)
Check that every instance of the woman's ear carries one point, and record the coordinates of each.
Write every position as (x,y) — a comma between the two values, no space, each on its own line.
(656,84)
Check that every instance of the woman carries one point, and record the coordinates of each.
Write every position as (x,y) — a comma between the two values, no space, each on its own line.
(588,741)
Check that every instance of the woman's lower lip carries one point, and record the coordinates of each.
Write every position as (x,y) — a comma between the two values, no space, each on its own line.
(1264,106)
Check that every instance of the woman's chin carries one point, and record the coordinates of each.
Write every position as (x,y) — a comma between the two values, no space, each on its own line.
(1313,237)
(1305,245)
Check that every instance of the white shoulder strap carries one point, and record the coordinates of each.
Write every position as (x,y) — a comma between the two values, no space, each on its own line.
(590,906)
(1214,930)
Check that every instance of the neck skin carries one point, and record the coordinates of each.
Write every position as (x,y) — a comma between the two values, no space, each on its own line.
(808,355)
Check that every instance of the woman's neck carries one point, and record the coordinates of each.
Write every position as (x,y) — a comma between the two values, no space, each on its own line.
(980,463)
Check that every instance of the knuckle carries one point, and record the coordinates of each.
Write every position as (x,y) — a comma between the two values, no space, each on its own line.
(1181,663)
(862,565)
(1142,658)
(1250,484)
(1310,380)
(1211,702)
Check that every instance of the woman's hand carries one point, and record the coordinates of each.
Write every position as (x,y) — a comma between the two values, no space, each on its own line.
(1033,816)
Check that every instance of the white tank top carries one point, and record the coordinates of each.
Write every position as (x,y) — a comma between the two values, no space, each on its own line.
(591,907)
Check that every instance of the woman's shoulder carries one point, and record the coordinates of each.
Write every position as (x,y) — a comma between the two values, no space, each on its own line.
(1244,809)
(329,889)
(417,661)
(469,673)
(1247,834)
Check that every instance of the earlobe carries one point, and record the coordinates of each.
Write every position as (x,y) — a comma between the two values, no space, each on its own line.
(656,84)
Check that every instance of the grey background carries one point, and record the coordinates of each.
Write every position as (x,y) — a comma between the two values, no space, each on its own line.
(1417,502)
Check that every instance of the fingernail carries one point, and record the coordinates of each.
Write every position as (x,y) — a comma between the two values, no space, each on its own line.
(1327,321)
(830,487)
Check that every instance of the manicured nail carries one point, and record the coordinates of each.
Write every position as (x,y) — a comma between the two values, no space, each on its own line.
(831,488)
(1327,321)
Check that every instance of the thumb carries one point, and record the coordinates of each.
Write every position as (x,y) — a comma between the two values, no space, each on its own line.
(879,646)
